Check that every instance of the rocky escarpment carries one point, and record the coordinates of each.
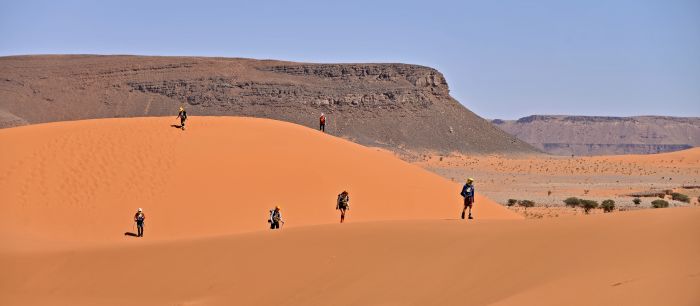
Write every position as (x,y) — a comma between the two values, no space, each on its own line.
(398,106)
(592,135)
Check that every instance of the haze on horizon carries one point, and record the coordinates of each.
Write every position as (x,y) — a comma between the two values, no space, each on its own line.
(502,59)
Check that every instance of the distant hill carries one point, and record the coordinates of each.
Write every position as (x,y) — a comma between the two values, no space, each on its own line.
(587,135)
(397,106)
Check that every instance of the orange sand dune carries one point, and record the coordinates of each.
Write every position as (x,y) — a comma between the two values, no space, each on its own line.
(83,180)
(635,258)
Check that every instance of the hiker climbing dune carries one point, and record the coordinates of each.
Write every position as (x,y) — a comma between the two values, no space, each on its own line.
(322,123)
(468,194)
(275,219)
(343,204)
(182,115)
(139,218)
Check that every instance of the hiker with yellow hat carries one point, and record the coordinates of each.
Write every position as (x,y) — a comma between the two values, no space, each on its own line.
(275,218)
(468,194)
(183,116)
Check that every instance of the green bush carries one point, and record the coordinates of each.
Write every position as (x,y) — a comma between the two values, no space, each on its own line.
(680,197)
(573,202)
(512,202)
(526,203)
(659,204)
(608,205)
(588,205)
(637,201)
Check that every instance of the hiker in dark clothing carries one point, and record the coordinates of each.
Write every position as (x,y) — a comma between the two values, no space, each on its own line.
(343,205)
(468,194)
(322,123)
(183,117)
(275,218)
(139,218)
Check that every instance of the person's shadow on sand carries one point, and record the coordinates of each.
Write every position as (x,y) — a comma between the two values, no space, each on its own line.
(176,126)
(130,234)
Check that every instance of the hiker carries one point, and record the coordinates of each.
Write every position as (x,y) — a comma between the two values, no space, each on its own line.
(139,218)
(275,218)
(183,116)
(468,194)
(322,123)
(342,204)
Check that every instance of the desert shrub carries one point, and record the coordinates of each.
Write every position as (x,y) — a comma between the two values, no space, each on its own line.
(680,197)
(637,201)
(588,205)
(608,205)
(512,202)
(526,203)
(659,204)
(572,201)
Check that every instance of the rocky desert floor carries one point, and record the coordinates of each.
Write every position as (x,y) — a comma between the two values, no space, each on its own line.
(548,180)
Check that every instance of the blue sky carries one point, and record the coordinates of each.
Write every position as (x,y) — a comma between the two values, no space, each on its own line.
(502,59)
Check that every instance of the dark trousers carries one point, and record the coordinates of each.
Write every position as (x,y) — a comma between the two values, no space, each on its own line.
(139,227)
(322,127)
(274,225)
(182,122)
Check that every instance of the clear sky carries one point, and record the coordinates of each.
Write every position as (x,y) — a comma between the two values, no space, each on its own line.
(502,59)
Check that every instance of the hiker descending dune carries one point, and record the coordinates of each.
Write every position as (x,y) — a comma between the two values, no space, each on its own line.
(468,194)
(322,123)
(139,218)
(183,117)
(342,204)
(275,218)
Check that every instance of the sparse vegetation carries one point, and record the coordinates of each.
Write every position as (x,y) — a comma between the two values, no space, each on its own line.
(512,202)
(608,205)
(659,204)
(680,197)
(572,201)
(588,205)
(637,201)
(526,203)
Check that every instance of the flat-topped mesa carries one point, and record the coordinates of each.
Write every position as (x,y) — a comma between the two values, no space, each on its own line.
(418,76)
(598,135)
(396,106)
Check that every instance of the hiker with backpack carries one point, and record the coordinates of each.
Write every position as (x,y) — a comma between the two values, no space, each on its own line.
(183,117)
(322,123)
(468,194)
(275,218)
(342,204)
(139,218)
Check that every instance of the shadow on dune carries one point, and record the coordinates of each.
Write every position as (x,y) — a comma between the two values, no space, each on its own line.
(130,234)
(176,126)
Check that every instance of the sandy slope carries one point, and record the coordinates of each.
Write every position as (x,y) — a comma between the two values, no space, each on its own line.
(635,258)
(83,180)
(548,180)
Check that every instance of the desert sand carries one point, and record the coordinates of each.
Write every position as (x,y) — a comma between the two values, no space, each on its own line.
(70,191)
(548,180)
(84,180)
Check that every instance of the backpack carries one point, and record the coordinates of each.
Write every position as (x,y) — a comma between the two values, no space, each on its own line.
(274,216)
(323,119)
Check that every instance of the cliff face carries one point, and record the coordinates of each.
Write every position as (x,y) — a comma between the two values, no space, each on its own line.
(586,135)
(397,106)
